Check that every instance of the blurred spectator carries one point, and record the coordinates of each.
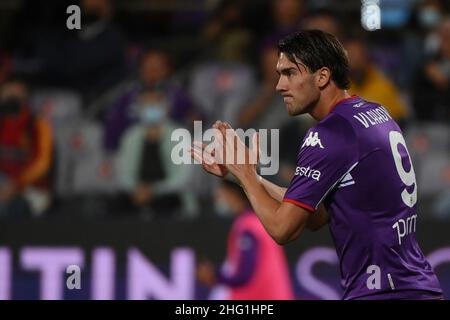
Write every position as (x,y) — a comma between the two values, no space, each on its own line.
(266,108)
(325,20)
(97,55)
(429,15)
(370,83)
(432,94)
(274,18)
(90,60)
(287,15)
(25,154)
(155,73)
(222,81)
(256,267)
(225,33)
(220,89)
(155,185)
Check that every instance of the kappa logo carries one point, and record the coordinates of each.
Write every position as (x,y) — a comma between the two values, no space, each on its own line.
(359,104)
(313,140)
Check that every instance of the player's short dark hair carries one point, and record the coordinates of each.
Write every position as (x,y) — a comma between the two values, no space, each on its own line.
(317,49)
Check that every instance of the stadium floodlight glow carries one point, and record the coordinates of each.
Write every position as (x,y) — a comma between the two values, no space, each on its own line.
(370,15)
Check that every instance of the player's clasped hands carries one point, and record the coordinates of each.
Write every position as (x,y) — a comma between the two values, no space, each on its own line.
(227,153)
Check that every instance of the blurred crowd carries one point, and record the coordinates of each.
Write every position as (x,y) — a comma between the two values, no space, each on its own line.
(86,116)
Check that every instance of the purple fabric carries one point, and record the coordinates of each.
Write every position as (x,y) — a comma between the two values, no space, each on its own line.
(355,163)
(182,106)
(247,262)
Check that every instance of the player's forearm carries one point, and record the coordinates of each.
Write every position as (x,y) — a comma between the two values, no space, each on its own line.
(315,221)
(266,209)
(272,189)
(275,191)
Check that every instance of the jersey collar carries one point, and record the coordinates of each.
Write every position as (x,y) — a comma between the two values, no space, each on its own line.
(341,101)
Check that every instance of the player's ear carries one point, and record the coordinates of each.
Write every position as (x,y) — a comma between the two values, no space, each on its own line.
(323,77)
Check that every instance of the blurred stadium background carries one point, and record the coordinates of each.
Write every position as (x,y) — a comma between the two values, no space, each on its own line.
(73,187)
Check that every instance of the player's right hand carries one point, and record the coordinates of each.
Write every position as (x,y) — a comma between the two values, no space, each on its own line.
(200,153)
(253,153)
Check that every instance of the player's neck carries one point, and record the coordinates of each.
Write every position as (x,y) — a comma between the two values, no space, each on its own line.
(327,101)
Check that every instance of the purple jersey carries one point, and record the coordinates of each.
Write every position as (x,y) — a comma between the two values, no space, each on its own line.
(356,162)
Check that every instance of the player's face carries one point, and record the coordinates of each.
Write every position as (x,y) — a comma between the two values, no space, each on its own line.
(297,86)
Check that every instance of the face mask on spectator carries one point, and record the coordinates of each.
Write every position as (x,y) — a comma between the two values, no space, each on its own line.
(9,106)
(162,85)
(151,115)
(429,17)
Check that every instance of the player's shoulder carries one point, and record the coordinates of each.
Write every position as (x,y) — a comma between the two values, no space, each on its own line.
(349,106)
(332,133)
(342,126)
(354,112)
(333,126)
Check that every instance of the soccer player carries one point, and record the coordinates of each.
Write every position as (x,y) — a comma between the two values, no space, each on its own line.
(353,173)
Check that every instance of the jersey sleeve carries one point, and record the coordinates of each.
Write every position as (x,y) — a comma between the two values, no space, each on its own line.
(328,152)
